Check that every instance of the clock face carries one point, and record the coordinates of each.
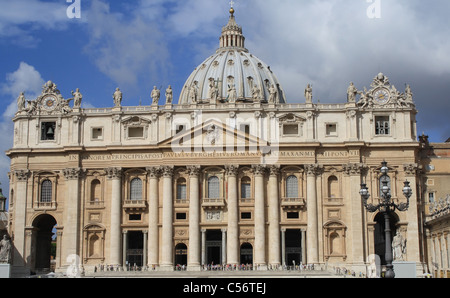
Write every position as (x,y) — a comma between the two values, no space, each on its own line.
(49,103)
(381,96)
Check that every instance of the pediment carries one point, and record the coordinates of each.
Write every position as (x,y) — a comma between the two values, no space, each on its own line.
(213,134)
(291,118)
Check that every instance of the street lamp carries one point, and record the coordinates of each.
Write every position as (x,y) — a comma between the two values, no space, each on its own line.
(386,206)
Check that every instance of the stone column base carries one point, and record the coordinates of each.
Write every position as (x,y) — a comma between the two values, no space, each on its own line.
(195,268)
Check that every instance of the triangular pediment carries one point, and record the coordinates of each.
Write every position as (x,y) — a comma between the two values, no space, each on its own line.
(213,134)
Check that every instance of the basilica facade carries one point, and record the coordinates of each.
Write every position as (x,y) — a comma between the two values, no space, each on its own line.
(230,174)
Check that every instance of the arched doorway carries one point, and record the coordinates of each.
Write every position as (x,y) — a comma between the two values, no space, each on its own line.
(45,241)
(246,254)
(380,236)
(181,254)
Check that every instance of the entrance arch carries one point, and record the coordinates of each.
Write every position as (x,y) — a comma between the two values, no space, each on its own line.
(380,236)
(181,254)
(43,238)
(246,254)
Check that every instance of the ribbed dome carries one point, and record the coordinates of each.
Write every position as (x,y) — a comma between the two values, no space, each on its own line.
(232,74)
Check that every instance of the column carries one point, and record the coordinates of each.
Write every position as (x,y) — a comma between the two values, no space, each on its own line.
(194,219)
(203,246)
(274,217)
(413,250)
(20,205)
(145,248)
(224,246)
(259,218)
(167,220)
(303,246)
(153,217)
(124,248)
(115,247)
(233,216)
(353,170)
(71,214)
(311,206)
(283,246)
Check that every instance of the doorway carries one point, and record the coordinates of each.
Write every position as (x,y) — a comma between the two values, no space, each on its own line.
(214,247)
(246,254)
(181,254)
(45,242)
(135,248)
(293,247)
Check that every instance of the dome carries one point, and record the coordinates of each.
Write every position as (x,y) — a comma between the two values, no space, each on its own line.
(232,74)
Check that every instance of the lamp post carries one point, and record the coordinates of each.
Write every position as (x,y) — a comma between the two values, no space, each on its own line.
(386,206)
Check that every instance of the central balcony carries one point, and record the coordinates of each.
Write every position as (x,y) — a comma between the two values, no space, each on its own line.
(208,203)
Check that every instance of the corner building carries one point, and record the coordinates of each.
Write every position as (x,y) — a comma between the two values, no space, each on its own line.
(231,174)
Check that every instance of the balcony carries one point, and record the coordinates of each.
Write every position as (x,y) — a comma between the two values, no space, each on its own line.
(44,206)
(208,203)
(292,203)
(135,204)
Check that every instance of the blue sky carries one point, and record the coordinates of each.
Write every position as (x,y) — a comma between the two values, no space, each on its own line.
(138,44)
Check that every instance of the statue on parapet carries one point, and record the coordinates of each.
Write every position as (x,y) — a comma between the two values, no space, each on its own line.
(21,102)
(155,95)
(351,93)
(77,98)
(169,95)
(117,98)
(308,94)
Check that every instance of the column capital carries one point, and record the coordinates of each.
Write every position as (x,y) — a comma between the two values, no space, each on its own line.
(313,169)
(232,170)
(354,168)
(274,170)
(193,171)
(153,172)
(22,175)
(114,173)
(72,173)
(259,170)
(167,171)
(411,169)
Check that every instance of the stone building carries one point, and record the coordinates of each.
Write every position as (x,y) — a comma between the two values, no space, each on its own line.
(435,182)
(230,174)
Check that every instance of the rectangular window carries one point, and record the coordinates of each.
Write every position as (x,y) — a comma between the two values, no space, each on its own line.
(292,215)
(246,191)
(431,197)
(48,131)
(290,129)
(97,133)
(245,128)
(181,216)
(181,191)
(246,215)
(331,130)
(134,217)
(135,132)
(382,125)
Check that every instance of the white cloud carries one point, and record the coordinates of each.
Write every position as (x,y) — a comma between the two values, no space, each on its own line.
(20,18)
(125,47)
(25,79)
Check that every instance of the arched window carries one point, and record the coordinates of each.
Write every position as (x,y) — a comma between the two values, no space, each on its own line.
(246,191)
(213,187)
(333,187)
(46,191)
(181,189)
(292,187)
(95,191)
(136,189)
